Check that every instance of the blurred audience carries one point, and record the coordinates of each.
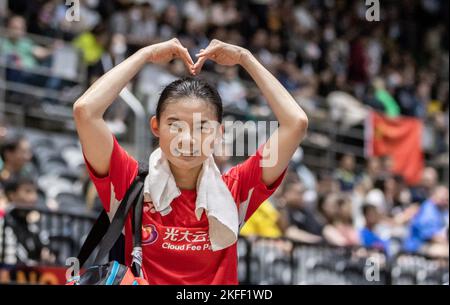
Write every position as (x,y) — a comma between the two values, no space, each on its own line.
(20,53)
(368,235)
(336,65)
(16,156)
(428,230)
(345,174)
(22,239)
(299,221)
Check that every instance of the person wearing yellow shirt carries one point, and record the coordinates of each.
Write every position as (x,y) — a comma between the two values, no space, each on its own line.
(263,223)
(92,44)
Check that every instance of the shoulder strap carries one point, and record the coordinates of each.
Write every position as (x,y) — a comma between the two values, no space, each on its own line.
(94,237)
(118,222)
(102,227)
(102,224)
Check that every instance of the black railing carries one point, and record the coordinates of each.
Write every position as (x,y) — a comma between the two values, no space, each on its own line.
(262,260)
(282,261)
(61,233)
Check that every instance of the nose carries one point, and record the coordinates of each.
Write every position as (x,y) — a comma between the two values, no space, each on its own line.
(186,137)
(187,141)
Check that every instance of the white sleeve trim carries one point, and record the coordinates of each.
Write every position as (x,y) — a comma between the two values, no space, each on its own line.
(243,207)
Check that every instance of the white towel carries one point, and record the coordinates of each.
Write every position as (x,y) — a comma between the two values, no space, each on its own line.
(213,197)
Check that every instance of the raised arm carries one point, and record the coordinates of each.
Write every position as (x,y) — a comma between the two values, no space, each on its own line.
(95,137)
(293,121)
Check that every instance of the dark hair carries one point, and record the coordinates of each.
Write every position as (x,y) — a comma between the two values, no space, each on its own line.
(14,183)
(367,207)
(190,87)
(10,145)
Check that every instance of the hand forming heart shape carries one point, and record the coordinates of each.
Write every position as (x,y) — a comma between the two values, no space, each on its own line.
(220,52)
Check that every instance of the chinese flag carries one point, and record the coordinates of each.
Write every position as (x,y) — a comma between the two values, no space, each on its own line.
(401,139)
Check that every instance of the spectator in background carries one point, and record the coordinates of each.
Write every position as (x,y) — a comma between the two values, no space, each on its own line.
(368,235)
(428,230)
(16,155)
(170,22)
(345,174)
(20,53)
(341,231)
(358,64)
(264,222)
(143,26)
(428,182)
(92,44)
(224,13)
(88,14)
(383,97)
(328,208)
(198,11)
(232,90)
(372,172)
(26,247)
(304,173)
(299,221)
(21,191)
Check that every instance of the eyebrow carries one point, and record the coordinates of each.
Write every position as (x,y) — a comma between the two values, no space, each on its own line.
(177,119)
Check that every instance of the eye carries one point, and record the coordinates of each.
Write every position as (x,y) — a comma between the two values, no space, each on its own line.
(206,127)
(175,127)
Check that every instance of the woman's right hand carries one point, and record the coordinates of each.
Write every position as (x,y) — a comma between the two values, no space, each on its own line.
(166,51)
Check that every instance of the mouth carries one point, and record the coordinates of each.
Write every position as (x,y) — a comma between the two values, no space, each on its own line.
(186,153)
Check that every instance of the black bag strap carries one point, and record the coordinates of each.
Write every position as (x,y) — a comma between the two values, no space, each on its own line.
(118,222)
(94,237)
(136,264)
(102,228)
(102,224)
(137,221)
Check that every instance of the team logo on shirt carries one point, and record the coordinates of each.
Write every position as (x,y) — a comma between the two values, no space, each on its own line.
(149,234)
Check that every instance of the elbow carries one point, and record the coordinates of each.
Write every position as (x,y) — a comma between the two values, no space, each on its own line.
(80,110)
(301,125)
(303,121)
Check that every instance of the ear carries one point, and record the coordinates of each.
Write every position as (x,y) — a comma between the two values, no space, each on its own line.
(154,126)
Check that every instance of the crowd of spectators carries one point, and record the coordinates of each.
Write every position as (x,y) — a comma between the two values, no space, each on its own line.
(335,63)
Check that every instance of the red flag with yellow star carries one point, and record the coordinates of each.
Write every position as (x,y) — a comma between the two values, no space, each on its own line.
(399,138)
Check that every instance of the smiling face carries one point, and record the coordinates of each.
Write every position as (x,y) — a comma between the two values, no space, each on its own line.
(187,130)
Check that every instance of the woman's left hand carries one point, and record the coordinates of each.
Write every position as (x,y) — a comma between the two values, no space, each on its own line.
(220,52)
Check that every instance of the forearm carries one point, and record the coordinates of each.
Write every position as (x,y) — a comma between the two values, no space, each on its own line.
(41,52)
(285,108)
(297,234)
(105,90)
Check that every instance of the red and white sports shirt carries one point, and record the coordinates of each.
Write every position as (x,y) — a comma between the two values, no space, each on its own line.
(176,247)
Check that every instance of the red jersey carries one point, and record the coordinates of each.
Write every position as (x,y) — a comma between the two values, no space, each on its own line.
(176,247)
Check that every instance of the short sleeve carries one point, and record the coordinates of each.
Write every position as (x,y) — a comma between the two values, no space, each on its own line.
(123,169)
(245,183)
